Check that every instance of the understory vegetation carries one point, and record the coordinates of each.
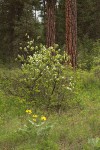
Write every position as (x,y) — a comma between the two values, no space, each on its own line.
(45,105)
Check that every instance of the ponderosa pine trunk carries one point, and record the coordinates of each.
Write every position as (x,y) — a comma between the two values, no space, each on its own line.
(71,30)
(50,22)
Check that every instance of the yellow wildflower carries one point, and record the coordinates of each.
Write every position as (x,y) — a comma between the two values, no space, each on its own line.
(29,111)
(35,116)
(34,120)
(43,118)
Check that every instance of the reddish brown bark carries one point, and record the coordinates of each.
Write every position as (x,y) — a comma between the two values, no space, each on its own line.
(71,30)
(50,22)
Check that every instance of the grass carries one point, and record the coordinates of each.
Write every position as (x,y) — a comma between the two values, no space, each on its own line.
(75,129)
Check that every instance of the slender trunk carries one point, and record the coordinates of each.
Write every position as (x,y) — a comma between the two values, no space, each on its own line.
(44,7)
(71,30)
(50,22)
(35,13)
(11,21)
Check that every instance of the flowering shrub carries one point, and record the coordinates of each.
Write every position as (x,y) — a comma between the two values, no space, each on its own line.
(47,80)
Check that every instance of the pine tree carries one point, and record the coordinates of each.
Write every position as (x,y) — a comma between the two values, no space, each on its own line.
(71,30)
(50,22)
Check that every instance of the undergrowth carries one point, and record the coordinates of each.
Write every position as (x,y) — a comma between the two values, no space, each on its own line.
(74,129)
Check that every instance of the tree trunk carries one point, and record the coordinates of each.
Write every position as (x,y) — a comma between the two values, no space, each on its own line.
(50,22)
(71,30)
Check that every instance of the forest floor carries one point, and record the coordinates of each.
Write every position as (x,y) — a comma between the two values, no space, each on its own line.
(75,129)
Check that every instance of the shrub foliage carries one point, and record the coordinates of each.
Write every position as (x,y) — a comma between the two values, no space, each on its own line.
(46,80)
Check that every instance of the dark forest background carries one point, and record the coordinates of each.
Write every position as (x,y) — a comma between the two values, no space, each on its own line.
(18,17)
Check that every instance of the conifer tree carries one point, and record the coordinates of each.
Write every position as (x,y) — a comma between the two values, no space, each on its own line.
(71,30)
(50,22)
